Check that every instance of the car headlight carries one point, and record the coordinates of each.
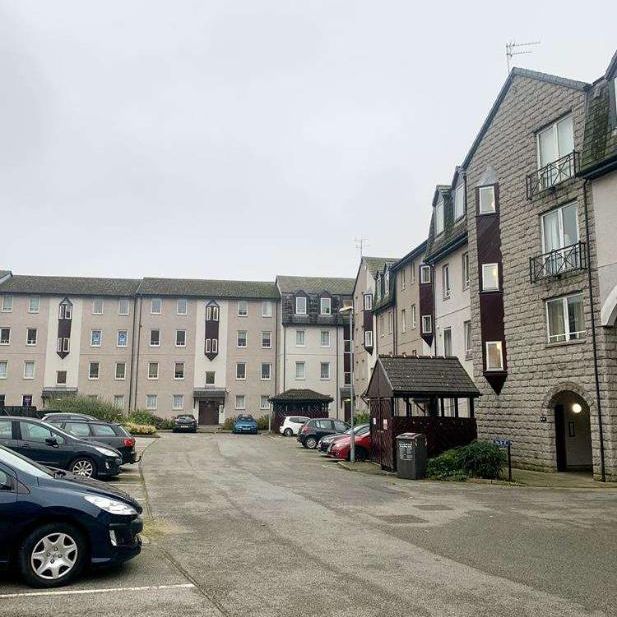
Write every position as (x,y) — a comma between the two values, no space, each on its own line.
(105,451)
(111,505)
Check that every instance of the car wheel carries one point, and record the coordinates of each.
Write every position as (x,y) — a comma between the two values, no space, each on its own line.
(288,432)
(84,466)
(311,443)
(52,555)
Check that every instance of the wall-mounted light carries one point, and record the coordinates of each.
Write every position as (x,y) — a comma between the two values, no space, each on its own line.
(576,408)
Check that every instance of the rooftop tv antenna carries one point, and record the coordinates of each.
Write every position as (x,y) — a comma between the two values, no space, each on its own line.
(516,49)
(361,244)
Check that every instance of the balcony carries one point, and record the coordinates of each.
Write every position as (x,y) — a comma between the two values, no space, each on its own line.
(553,174)
(571,258)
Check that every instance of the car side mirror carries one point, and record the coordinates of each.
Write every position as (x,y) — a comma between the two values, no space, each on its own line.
(51,441)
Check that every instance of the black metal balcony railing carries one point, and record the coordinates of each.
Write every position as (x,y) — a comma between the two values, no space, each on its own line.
(553,174)
(560,261)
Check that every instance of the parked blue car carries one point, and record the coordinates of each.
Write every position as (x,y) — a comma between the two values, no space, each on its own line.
(54,523)
(245,424)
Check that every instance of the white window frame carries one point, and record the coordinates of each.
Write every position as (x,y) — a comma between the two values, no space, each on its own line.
(269,372)
(368,302)
(246,339)
(29,363)
(498,344)
(569,336)
(8,339)
(465,266)
(118,364)
(98,370)
(121,305)
(92,343)
(414,317)
(95,306)
(440,219)
(321,371)
(426,330)
(215,345)
(267,308)
(150,365)
(554,129)
(152,306)
(240,402)
(7,303)
(325,306)
(126,335)
(243,308)
(321,338)
(403,276)
(301,300)
(459,201)
(152,397)
(300,364)
(303,333)
(29,342)
(368,338)
(445,281)
(483,190)
(449,331)
(559,212)
(177,406)
(386,283)
(178,332)
(176,365)
(265,405)
(182,302)
(263,339)
(159,337)
(38,304)
(238,365)
(4,374)
(485,269)
(403,320)
(467,340)
(425,274)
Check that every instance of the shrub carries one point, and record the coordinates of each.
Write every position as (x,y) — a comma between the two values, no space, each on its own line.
(229,423)
(362,417)
(262,423)
(482,459)
(103,410)
(140,429)
(479,459)
(142,416)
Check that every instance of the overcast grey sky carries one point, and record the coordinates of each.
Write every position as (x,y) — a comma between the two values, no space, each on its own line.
(241,139)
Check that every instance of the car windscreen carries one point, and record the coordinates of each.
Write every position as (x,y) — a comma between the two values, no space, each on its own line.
(246,419)
(184,417)
(21,463)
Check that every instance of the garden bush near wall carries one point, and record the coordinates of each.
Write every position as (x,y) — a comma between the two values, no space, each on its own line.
(479,459)
(141,416)
(361,417)
(140,429)
(102,410)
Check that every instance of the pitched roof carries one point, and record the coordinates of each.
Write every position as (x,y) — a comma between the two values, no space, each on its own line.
(376,264)
(4,273)
(69,285)
(429,376)
(301,395)
(415,252)
(208,288)
(315,284)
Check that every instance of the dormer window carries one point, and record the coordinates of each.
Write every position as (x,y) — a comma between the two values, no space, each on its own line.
(325,306)
(459,201)
(378,288)
(300,305)
(439,217)
(386,285)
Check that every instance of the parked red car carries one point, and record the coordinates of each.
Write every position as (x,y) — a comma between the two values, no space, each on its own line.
(342,446)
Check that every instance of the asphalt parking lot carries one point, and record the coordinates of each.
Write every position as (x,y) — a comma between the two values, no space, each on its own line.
(255,525)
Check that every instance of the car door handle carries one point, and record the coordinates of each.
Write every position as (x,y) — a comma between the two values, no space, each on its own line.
(25,445)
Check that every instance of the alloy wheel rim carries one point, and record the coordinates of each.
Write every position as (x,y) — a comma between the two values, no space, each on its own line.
(54,556)
(83,468)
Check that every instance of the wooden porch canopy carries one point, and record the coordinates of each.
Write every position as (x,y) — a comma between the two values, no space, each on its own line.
(422,378)
(298,402)
(423,383)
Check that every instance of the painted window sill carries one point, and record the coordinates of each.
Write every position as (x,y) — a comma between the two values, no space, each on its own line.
(565,343)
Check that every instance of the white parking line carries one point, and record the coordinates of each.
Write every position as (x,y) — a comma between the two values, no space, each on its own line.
(77,592)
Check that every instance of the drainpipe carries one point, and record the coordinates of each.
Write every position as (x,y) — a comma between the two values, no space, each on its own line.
(137,354)
(593,334)
(132,353)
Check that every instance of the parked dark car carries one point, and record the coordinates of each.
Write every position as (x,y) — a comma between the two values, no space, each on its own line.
(58,416)
(185,422)
(108,433)
(53,523)
(316,428)
(245,424)
(48,445)
(328,440)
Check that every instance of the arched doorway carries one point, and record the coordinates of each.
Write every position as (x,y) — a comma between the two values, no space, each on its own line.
(572,432)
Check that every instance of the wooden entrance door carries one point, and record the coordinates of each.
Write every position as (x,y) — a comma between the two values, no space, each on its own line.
(208,412)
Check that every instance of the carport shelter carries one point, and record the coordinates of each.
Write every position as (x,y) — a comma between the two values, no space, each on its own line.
(298,402)
(423,383)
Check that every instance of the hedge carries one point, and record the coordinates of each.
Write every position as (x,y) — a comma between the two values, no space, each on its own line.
(479,459)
